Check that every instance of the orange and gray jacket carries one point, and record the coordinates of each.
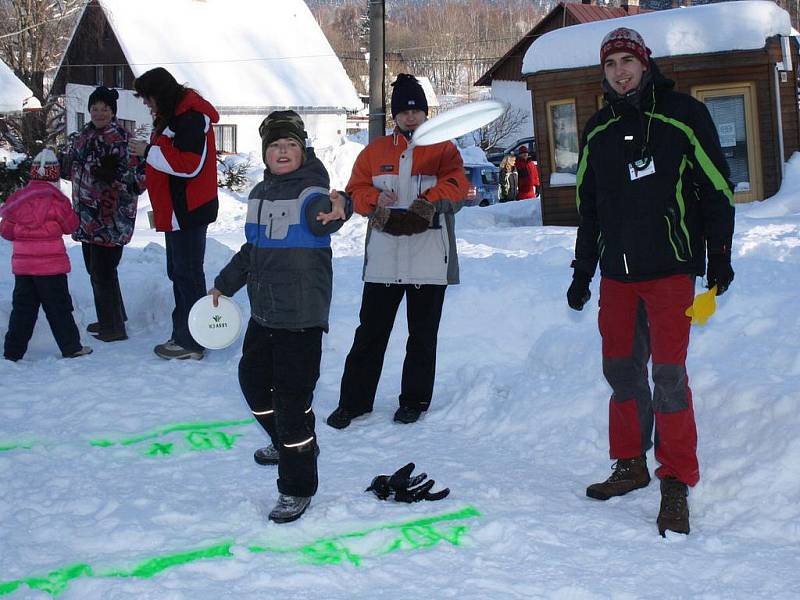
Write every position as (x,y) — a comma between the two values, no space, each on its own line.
(642,226)
(435,173)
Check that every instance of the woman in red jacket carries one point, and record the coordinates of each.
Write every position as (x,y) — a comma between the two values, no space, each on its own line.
(528,175)
(35,219)
(181,176)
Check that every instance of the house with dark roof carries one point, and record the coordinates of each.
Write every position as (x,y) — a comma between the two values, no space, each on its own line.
(739,58)
(505,76)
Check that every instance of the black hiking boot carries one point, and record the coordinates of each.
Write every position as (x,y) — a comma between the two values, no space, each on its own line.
(341,417)
(406,414)
(629,474)
(266,456)
(289,508)
(674,512)
(269,455)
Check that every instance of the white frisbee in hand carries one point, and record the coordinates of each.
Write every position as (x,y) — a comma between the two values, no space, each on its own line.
(215,327)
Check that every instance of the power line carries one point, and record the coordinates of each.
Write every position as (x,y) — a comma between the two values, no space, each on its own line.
(42,23)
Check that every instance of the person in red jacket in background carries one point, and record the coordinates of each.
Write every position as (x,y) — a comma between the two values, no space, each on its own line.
(528,175)
(35,219)
(181,175)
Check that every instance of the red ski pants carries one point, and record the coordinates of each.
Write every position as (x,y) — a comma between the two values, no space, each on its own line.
(639,320)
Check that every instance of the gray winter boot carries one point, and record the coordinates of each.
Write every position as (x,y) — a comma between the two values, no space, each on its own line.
(289,508)
(629,474)
(266,456)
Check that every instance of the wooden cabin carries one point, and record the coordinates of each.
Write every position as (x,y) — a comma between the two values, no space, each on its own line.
(505,76)
(750,90)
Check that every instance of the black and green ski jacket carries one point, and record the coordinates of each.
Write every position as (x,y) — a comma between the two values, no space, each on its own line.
(659,224)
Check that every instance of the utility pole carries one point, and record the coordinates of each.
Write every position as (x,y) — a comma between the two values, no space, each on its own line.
(377,62)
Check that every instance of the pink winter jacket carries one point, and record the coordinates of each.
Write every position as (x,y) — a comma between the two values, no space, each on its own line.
(36,218)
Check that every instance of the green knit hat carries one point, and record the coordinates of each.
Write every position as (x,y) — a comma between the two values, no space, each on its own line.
(282,124)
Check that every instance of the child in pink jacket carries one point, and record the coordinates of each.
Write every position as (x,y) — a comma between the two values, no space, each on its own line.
(35,219)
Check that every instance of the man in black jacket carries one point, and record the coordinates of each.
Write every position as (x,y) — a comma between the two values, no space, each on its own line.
(654,198)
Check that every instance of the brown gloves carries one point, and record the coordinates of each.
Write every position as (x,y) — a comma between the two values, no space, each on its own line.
(416,219)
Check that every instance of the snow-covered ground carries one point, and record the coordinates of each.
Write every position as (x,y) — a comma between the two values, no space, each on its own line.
(128,477)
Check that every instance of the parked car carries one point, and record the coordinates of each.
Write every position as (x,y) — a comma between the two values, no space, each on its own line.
(484,184)
(496,156)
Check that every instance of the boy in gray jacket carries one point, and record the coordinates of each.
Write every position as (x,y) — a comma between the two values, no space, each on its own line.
(286,264)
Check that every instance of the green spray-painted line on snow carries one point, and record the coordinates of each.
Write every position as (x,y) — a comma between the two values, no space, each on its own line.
(20,446)
(162,431)
(412,535)
(200,436)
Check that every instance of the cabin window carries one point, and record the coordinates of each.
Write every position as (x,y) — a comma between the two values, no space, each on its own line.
(130,126)
(98,75)
(733,110)
(562,125)
(119,76)
(80,121)
(226,138)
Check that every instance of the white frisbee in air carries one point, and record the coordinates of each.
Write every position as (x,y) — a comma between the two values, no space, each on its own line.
(457,121)
(215,327)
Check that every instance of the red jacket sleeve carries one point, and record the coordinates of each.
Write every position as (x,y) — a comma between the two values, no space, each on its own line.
(67,218)
(360,188)
(451,183)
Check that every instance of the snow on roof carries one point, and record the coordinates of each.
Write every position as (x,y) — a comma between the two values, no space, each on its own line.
(701,29)
(13,93)
(236,53)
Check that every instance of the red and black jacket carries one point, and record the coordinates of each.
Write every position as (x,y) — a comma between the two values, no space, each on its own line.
(181,167)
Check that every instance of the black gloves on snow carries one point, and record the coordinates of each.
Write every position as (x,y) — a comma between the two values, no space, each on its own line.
(405,487)
(578,293)
(720,272)
(416,219)
(106,171)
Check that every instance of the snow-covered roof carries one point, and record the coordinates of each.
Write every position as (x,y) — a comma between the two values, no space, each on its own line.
(236,53)
(700,29)
(13,93)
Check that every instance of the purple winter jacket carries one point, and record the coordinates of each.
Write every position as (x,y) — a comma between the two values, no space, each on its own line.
(35,219)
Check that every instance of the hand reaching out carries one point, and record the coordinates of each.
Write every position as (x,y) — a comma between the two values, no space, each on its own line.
(337,209)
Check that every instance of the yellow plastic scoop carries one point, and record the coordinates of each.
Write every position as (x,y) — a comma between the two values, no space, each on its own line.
(703,306)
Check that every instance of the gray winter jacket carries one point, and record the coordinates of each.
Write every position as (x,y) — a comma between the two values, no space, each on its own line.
(286,261)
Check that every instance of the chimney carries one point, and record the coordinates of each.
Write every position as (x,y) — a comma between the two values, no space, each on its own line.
(626,5)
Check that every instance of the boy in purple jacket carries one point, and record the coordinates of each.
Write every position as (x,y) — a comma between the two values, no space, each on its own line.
(35,219)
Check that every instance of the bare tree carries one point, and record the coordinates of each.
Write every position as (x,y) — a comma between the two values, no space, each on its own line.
(510,121)
(33,36)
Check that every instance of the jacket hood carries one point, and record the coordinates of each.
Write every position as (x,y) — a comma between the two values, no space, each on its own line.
(194,101)
(311,172)
(30,206)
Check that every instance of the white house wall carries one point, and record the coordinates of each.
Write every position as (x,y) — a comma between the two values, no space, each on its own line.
(323,129)
(128,106)
(517,95)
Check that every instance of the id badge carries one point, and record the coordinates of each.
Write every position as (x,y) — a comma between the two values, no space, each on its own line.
(642,168)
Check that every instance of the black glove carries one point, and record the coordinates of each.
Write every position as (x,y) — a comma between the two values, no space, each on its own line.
(405,487)
(578,293)
(106,171)
(720,272)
